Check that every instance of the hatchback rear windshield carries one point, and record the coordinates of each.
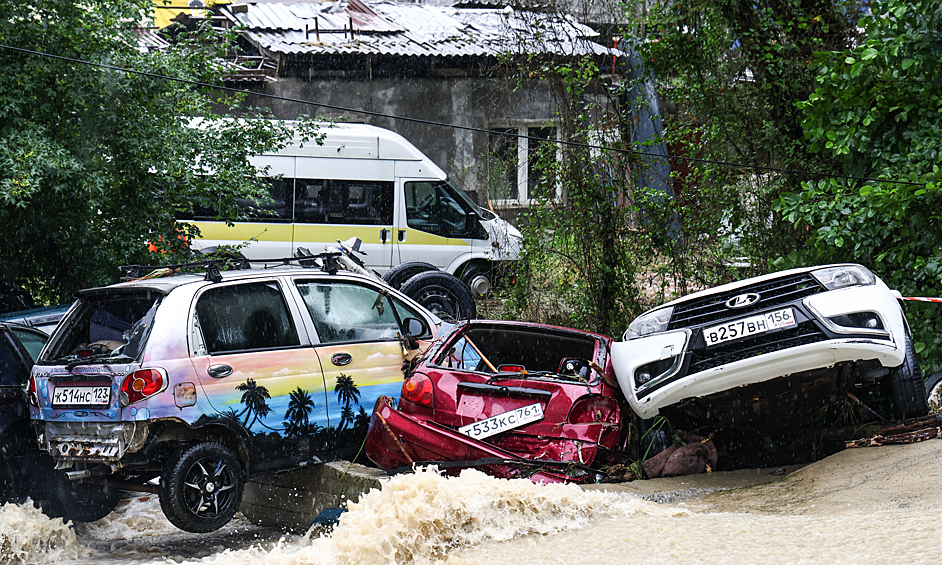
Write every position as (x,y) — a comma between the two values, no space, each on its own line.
(112,328)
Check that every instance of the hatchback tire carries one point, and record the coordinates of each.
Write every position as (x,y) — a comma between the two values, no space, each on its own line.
(201,487)
(80,501)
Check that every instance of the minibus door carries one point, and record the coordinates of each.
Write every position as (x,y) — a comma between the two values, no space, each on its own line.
(433,224)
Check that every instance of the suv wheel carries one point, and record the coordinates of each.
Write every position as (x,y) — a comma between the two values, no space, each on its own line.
(909,395)
(201,487)
(81,501)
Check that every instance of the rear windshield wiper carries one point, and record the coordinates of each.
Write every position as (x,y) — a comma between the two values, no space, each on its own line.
(93,359)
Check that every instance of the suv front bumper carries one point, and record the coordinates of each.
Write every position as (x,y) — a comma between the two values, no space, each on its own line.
(680,373)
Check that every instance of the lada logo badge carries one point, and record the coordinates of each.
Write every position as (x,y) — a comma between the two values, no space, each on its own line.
(742,300)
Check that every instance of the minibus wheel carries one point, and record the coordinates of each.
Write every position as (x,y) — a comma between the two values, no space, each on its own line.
(404,271)
(443,294)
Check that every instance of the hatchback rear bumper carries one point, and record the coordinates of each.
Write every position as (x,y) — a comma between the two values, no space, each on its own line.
(396,440)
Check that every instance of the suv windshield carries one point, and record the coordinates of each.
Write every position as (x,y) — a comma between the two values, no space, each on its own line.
(110,327)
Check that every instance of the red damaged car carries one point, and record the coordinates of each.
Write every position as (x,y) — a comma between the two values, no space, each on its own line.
(509,398)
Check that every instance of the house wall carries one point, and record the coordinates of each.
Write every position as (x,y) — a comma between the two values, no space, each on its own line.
(477,102)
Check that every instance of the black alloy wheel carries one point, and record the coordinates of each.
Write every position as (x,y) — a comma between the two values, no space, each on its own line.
(201,487)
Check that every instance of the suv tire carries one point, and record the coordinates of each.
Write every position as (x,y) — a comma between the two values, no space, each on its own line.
(444,294)
(404,271)
(909,394)
(201,487)
(934,391)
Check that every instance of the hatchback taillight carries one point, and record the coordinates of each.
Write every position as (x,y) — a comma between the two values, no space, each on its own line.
(418,389)
(593,410)
(31,395)
(142,384)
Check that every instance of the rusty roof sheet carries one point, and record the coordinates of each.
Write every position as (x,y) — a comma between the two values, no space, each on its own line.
(388,28)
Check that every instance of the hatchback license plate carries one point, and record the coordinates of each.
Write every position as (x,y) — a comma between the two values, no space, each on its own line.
(749,326)
(81,396)
(503,421)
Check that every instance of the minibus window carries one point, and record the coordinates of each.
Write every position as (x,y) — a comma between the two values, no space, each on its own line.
(344,202)
(439,208)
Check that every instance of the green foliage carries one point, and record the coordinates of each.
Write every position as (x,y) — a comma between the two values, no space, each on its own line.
(734,73)
(577,253)
(94,163)
(877,108)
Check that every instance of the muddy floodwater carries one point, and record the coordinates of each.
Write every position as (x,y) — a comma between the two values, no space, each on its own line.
(870,505)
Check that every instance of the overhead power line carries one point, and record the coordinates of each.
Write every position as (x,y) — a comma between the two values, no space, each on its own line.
(454,126)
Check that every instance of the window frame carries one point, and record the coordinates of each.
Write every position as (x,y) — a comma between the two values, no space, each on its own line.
(199,342)
(522,142)
(390,298)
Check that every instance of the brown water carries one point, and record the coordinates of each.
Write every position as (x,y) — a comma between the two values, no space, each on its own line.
(875,505)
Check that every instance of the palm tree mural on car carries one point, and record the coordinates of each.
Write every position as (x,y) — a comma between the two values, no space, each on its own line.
(347,393)
(254,398)
(297,417)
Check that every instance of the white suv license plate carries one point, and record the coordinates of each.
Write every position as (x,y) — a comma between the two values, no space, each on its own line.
(749,326)
(81,396)
(503,421)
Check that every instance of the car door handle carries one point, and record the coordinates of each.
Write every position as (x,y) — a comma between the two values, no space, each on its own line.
(219,371)
(382,235)
(402,234)
(341,359)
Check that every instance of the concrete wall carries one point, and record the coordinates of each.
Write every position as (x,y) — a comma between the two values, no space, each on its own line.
(465,101)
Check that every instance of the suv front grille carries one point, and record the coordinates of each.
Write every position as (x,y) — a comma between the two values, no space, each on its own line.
(804,333)
(712,309)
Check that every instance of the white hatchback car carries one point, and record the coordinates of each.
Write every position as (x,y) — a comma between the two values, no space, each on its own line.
(209,381)
(797,350)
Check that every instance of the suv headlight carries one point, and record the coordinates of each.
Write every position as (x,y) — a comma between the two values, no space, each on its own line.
(650,323)
(844,276)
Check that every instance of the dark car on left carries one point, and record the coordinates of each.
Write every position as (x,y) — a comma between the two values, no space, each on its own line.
(27,472)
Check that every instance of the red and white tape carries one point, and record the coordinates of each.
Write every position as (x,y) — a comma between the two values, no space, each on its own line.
(921,299)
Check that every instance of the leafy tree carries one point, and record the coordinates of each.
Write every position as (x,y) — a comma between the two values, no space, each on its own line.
(95,162)
(877,109)
(732,73)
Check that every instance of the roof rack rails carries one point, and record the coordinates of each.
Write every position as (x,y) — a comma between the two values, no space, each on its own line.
(328,261)
(211,266)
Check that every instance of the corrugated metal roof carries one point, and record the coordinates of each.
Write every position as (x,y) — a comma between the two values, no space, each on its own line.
(409,30)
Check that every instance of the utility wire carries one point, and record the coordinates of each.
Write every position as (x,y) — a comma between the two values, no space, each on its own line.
(452,126)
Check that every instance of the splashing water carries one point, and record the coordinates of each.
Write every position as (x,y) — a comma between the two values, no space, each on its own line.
(419,518)
(27,537)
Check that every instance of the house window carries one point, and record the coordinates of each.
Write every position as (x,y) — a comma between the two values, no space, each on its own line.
(517,163)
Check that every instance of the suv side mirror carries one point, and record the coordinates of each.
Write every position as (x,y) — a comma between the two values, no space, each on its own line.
(415,329)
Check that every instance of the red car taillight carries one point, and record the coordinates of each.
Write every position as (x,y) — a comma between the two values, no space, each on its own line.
(591,410)
(418,389)
(31,392)
(141,384)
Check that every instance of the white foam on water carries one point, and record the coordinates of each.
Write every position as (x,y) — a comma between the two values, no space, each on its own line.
(131,520)
(28,537)
(420,518)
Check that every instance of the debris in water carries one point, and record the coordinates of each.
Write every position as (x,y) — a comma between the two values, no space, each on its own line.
(906,431)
